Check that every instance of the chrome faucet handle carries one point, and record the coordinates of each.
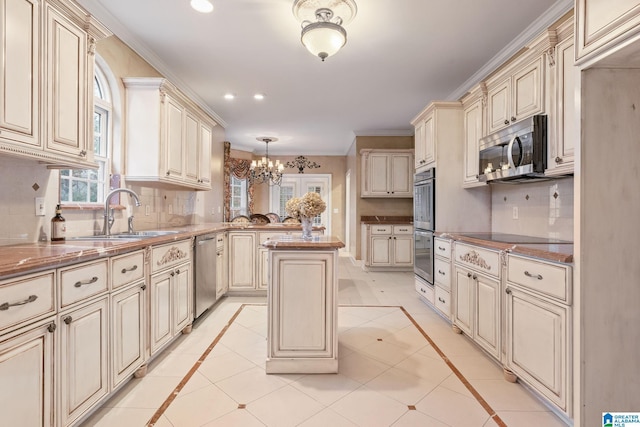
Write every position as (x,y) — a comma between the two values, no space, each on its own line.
(130,225)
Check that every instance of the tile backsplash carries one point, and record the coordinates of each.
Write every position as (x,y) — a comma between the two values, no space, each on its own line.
(543,209)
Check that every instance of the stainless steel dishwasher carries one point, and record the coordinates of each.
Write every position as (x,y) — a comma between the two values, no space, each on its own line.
(204,295)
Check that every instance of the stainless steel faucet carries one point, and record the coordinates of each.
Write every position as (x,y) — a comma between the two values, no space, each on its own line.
(108,214)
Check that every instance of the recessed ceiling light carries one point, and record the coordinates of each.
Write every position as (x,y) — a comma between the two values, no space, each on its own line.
(229,96)
(203,6)
(258,96)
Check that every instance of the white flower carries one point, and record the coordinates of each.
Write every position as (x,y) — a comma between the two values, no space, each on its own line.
(309,205)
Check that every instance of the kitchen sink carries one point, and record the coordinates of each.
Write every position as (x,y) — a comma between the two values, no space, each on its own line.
(147,233)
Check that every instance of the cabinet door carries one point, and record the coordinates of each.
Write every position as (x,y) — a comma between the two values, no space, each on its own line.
(83,359)
(204,157)
(174,138)
(160,310)
(263,271)
(528,93)
(26,369)
(472,135)
(463,303)
(401,174)
(419,144)
(221,277)
(242,261)
(181,297)
(499,105)
(127,332)
(537,344)
(564,130)
(403,251)
(487,315)
(191,147)
(20,72)
(429,141)
(380,250)
(379,174)
(66,80)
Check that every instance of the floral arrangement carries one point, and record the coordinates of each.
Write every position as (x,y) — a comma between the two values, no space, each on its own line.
(307,206)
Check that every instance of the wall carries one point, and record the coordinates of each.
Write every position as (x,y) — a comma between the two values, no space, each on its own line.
(23,180)
(545,208)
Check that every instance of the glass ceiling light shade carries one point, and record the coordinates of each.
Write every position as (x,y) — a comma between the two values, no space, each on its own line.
(264,170)
(203,6)
(321,20)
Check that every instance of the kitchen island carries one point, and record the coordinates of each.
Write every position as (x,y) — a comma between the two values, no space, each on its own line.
(302,335)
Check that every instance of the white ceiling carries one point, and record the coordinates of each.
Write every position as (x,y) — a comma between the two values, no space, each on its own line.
(400,55)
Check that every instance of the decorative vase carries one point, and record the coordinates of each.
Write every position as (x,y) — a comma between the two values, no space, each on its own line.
(307,226)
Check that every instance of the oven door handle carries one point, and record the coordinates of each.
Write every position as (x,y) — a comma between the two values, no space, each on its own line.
(512,165)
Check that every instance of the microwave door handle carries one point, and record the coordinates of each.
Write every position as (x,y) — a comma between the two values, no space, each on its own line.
(512,165)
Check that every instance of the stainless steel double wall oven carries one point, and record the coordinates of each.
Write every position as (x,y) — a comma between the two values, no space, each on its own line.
(424,186)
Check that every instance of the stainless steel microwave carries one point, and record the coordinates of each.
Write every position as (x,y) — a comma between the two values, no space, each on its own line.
(516,153)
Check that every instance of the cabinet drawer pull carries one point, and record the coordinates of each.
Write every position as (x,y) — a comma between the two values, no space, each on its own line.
(6,305)
(133,268)
(67,320)
(537,276)
(441,300)
(80,283)
(403,229)
(440,248)
(441,272)
(52,327)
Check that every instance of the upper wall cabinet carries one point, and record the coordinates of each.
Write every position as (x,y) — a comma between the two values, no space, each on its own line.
(432,127)
(46,81)
(425,151)
(387,173)
(168,136)
(473,117)
(604,26)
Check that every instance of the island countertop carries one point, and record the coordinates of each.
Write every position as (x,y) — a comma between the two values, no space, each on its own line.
(296,242)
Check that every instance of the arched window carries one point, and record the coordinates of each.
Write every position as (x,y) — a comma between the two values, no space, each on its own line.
(88,185)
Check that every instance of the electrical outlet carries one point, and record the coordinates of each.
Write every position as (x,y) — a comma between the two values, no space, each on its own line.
(213,211)
(515,212)
(40,208)
(170,209)
(147,210)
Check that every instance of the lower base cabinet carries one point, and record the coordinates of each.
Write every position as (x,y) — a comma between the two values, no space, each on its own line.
(26,369)
(127,332)
(83,359)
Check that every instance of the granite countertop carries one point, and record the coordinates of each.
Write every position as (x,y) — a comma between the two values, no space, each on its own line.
(553,251)
(27,257)
(382,219)
(317,242)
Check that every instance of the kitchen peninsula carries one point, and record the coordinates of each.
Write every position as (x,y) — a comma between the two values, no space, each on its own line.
(302,334)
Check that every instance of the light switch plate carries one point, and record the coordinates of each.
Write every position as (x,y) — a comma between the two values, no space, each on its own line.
(40,207)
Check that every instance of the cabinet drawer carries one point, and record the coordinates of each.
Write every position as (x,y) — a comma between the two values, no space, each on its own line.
(220,241)
(442,301)
(553,280)
(26,298)
(425,290)
(127,269)
(380,229)
(477,258)
(442,273)
(170,254)
(402,229)
(442,248)
(82,281)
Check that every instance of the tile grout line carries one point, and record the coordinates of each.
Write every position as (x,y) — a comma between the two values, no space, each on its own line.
(156,416)
(492,414)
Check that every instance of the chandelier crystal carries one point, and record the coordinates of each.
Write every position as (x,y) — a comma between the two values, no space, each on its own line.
(321,20)
(264,170)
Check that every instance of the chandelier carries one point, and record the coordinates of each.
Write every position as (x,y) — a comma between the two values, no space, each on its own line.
(321,20)
(264,171)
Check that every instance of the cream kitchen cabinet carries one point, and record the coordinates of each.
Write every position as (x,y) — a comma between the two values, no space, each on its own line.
(602,27)
(538,327)
(515,95)
(242,260)
(477,302)
(387,246)
(424,142)
(473,118)
(83,352)
(27,368)
(170,132)
(52,85)
(387,173)
(564,116)
(171,292)
(222,282)
(442,275)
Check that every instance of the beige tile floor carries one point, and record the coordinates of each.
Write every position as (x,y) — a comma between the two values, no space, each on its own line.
(389,374)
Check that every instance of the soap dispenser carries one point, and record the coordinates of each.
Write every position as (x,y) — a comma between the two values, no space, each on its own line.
(58,226)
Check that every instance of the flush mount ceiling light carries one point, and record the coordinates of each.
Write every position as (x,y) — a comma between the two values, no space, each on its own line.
(264,170)
(203,6)
(321,20)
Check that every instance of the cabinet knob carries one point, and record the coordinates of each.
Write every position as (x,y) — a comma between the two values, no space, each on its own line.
(52,327)
(508,291)
(168,173)
(558,160)
(468,274)
(173,273)
(506,122)
(513,119)
(143,287)
(178,271)
(477,176)
(83,153)
(67,320)
(475,277)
